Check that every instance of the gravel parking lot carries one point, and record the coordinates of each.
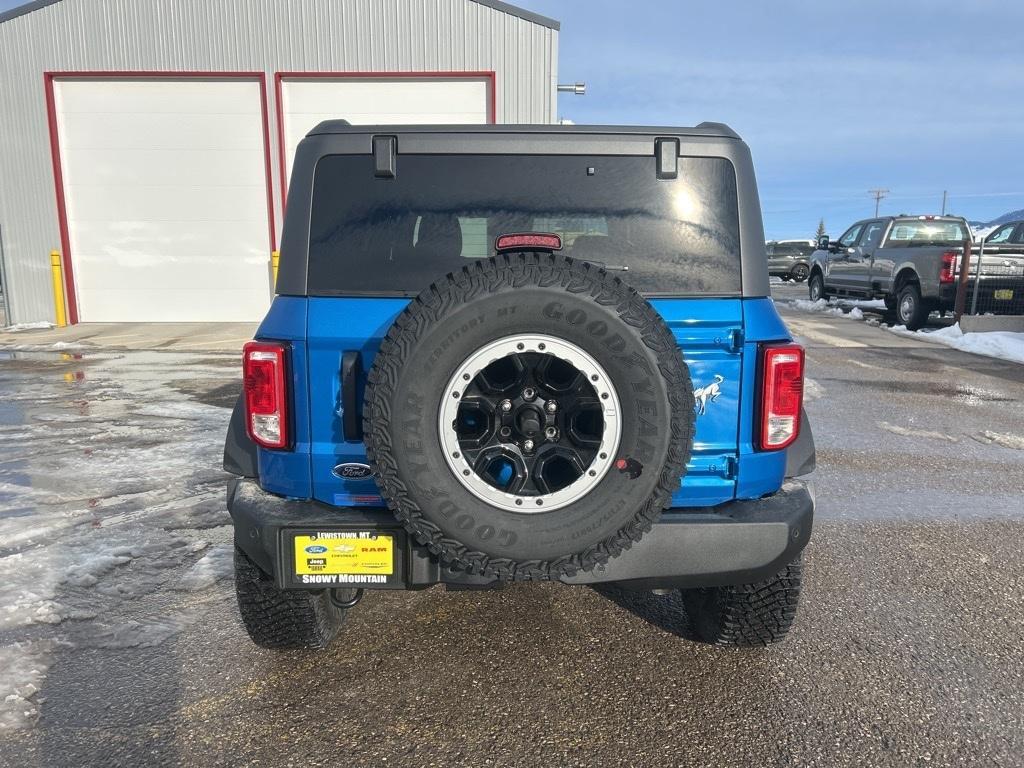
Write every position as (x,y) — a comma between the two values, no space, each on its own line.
(120,644)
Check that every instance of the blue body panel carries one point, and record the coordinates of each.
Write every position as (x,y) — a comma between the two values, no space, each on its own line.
(719,339)
(288,472)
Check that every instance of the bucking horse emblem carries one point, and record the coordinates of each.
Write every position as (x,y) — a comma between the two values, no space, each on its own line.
(707,394)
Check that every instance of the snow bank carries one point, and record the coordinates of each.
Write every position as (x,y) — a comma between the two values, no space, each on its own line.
(824,307)
(1004,345)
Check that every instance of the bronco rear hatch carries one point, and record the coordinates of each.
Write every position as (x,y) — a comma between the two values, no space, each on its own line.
(376,239)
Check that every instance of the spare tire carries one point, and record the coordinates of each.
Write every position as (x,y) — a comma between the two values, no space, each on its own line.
(528,417)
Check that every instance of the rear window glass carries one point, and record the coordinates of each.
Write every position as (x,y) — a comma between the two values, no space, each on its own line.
(910,233)
(396,236)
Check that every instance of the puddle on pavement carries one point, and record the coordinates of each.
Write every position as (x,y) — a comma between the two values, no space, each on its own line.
(110,490)
(957,393)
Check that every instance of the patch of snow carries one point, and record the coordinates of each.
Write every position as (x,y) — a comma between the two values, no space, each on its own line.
(865,303)
(852,310)
(911,432)
(22,670)
(1004,345)
(42,325)
(776,280)
(215,565)
(87,573)
(813,390)
(1002,439)
(138,634)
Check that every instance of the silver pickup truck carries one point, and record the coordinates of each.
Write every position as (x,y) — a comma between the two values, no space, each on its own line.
(913,263)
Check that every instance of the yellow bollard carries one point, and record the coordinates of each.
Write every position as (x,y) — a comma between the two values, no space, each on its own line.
(275,257)
(58,288)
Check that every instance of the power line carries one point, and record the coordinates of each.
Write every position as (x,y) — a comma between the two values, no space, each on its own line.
(878,194)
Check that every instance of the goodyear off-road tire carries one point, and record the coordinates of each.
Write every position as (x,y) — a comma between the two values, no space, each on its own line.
(747,615)
(283,619)
(497,299)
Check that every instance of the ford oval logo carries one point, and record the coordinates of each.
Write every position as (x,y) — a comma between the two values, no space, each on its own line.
(316,549)
(352,471)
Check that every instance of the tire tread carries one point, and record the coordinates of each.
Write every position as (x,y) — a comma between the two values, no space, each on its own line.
(746,615)
(283,619)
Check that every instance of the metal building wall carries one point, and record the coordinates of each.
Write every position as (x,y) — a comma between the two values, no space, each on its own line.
(234,35)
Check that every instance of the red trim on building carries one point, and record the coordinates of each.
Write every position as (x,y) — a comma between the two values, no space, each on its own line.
(58,175)
(489,75)
(62,217)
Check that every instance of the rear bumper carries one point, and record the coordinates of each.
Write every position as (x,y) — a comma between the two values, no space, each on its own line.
(738,542)
(987,286)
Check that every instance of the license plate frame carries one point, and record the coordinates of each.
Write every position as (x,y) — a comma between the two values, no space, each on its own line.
(342,558)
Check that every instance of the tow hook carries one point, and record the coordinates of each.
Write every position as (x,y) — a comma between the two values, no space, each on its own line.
(343,604)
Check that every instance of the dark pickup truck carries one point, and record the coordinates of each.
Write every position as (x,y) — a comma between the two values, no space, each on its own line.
(913,263)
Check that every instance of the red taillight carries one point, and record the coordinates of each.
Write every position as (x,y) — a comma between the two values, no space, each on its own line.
(948,272)
(265,383)
(782,394)
(528,240)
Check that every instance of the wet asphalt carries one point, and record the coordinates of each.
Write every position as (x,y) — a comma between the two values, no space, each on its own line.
(908,648)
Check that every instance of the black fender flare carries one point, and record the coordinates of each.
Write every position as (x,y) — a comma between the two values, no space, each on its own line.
(240,455)
(801,457)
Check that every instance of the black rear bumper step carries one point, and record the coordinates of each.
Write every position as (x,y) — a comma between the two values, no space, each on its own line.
(738,542)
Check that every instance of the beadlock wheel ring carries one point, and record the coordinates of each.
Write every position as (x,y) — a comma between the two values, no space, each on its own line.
(515,346)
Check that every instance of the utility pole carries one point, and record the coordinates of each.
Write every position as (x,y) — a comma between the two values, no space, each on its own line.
(878,195)
(943,202)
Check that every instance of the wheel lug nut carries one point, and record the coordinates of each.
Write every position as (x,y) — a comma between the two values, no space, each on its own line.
(528,445)
(551,406)
(529,393)
(505,431)
(506,405)
(551,433)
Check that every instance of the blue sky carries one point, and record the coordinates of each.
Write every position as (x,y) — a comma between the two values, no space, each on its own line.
(833,98)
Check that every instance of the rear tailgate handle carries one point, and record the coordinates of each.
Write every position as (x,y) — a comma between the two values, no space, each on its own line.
(351,375)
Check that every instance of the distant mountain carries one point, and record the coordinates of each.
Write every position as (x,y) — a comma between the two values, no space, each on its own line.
(1011,216)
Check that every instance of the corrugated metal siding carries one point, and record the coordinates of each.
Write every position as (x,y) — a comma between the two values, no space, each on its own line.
(233,35)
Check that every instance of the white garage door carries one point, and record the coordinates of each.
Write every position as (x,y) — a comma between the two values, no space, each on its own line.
(166,197)
(371,101)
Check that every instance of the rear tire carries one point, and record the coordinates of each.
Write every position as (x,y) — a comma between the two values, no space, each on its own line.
(799,273)
(911,310)
(816,287)
(284,619)
(747,615)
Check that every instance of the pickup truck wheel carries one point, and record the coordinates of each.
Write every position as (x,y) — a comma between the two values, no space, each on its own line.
(816,287)
(284,619)
(756,614)
(528,417)
(911,310)
(800,272)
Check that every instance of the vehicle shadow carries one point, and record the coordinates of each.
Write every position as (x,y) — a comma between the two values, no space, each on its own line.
(666,612)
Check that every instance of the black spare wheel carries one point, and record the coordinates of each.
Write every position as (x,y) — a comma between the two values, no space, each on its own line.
(528,416)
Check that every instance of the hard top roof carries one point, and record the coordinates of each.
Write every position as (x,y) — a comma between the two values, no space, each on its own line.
(718,130)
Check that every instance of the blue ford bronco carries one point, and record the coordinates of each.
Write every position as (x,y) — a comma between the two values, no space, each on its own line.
(513,353)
